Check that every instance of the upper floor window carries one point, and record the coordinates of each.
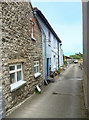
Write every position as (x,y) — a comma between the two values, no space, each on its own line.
(32,29)
(16,73)
(49,36)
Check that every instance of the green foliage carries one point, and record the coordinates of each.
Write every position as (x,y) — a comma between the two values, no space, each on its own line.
(63,65)
(63,57)
(65,62)
(59,69)
(77,56)
(36,91)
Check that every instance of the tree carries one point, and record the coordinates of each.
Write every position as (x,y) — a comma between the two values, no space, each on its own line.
(77,56)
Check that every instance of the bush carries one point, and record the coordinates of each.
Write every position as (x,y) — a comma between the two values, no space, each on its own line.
(65,62)
(59,69)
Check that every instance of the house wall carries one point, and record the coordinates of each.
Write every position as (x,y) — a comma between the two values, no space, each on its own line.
(54,50)
(61,56)
(51,47)
(85,6)
(18,47)
(46,46)
(44,56)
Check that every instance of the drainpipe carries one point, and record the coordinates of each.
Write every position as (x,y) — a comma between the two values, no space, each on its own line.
(61,54)
(45,53)
(58,54)
(43,34)
(45,56)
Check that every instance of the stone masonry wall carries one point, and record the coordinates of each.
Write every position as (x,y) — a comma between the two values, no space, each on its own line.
(18,47)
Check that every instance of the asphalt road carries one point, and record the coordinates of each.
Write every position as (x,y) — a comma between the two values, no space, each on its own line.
(61,99)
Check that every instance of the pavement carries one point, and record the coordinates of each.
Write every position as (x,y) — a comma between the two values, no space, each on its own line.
(61,99)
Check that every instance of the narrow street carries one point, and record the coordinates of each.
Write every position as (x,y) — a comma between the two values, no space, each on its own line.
(61,99)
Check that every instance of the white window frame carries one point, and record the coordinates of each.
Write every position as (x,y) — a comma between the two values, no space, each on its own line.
(32,30)
(37,74)
(37,65)
(15,71)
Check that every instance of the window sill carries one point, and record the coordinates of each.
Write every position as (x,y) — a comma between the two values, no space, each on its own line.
(49,45)
(37,75)
(17,85)
(33,38)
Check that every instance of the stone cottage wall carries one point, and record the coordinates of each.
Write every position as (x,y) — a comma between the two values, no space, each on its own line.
(18,47)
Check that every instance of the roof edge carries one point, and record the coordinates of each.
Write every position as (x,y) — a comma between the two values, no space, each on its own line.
(35,9)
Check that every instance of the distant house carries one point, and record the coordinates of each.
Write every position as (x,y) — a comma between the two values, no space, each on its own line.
(21,51)
(51,45)
(69,59)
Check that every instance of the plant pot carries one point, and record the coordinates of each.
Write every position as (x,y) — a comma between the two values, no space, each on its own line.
(58,72)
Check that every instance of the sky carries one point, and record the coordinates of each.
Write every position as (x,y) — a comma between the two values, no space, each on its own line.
(66,20)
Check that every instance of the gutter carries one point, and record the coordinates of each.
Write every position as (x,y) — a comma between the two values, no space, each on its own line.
(42,43)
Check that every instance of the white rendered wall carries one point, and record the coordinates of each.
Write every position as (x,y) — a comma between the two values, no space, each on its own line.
(51,48)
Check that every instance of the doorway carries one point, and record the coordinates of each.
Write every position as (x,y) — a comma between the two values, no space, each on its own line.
(47,66)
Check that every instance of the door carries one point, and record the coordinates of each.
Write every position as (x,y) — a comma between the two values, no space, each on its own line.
(47,66)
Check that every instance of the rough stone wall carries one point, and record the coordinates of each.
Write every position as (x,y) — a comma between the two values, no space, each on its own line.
(18,46)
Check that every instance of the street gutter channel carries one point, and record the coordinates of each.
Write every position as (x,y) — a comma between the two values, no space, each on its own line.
(55,93)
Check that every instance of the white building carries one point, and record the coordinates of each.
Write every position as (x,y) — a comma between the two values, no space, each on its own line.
(51,45)
(61,56)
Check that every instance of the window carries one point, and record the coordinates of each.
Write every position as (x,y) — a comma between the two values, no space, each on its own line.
(36,67)
(32,29)
(49,36)
(15,73)
(32,33)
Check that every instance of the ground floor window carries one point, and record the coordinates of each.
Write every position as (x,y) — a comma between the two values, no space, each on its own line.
(36,66)
(16,73)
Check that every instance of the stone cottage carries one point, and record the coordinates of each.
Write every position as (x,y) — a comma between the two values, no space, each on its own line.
(21,52)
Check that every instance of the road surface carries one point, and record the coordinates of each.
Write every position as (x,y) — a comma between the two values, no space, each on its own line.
(61,99)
